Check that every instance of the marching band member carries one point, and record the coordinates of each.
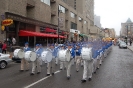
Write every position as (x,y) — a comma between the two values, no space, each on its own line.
(62,63)
(78,57)
(69,64)
(88,67)
(51,65)
(36,63)
(23,61)
(95,58)
(56,51)
(98,57)
(41,50)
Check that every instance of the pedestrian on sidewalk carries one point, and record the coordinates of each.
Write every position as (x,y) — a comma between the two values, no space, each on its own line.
(4,48)
(1,47)
(130,42)
(13,41)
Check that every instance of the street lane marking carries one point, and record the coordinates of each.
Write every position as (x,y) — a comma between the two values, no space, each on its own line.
(40,80)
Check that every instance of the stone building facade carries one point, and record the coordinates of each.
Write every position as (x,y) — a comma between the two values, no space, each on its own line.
(127,29)
(32,15)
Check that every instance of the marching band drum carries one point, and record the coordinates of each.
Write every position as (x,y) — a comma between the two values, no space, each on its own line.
(18,53)
(64,55)
(46,56)
(86,53)
(30,56)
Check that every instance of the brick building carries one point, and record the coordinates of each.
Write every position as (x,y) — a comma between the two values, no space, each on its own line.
(127,29)
(46,16)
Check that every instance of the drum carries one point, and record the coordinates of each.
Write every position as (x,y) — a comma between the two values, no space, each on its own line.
(86,53)
(30,56)
(46,56)
(64,55)
(18,53)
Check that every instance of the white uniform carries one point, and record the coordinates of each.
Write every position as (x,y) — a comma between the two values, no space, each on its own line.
(25,63)
(88,68)
(62,63)
(51,65)
(36,63)
(69,64)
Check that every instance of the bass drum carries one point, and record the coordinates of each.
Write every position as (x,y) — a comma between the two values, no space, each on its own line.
(64,55)
(86,54)
(30,56)
(46,56)
(18,53)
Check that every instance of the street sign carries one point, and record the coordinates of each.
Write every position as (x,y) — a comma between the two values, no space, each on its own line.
(2,28)
(7,22)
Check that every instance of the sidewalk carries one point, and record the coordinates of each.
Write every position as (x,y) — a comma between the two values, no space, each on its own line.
(130,47)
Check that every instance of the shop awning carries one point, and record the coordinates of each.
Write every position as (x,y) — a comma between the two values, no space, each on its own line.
(81,35)
(29,33)
(50,30)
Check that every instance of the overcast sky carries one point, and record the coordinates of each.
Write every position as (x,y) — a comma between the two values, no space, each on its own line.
(114,12)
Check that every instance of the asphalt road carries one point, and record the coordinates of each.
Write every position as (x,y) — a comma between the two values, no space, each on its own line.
(115,72)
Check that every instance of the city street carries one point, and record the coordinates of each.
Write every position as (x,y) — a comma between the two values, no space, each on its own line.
(115,72)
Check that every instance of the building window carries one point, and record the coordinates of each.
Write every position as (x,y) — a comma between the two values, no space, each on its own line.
(85,22)
(64,0)
(80,19)
(73,25)
(46,2)
(72,15)
(62,9)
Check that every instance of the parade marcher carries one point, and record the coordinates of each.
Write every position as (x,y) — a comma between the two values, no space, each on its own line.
(56,51)
(62,63)
(36,63)
(95,56)
(78,57)
(24,63)
(69,64)
(51,65)
(41,50)
(1,47)
(88,67)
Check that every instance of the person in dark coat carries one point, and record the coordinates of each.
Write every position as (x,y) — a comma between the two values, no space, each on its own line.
(130,42)
(1,47)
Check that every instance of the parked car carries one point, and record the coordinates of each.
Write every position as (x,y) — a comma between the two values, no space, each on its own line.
(122,45)
(17,60)
(5,59)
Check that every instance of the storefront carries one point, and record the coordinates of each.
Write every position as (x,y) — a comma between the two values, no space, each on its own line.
(74,34)
(83,37)
(21,23)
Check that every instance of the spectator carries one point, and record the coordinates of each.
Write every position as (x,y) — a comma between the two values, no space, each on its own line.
(1,47)
(4,48)
(130,42)
(11,48)
(13,41)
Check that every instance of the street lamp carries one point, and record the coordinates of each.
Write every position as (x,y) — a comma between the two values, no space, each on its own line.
(59,11)
(127,35)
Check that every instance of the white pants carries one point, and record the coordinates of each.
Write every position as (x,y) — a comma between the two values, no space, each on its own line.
(88,68)
(24,63)
(36,64)
(57,60)
(68,66)
(78,60)
(98,62)
(62,64)
(94,65)
(51,66)
(101,59)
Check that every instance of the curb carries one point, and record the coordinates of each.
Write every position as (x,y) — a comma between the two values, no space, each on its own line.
(130,48)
